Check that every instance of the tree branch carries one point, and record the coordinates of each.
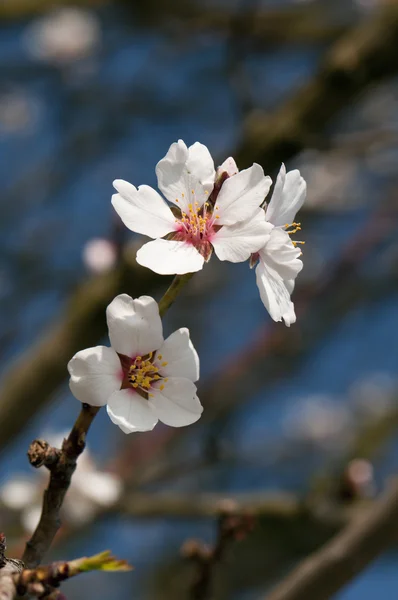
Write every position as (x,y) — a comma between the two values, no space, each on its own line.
(232,525)
(364,55)
(180,505)
(61,464)
(325,572)
(43,581)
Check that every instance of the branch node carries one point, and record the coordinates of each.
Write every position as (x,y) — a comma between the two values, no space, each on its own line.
(40,454)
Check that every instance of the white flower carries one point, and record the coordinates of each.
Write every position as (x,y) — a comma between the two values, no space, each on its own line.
(141,378)
(279,262)
(205,216)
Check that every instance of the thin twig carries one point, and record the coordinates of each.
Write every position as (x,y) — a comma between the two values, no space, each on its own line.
(232,525)
(325,572)
(43,581)
(61,464)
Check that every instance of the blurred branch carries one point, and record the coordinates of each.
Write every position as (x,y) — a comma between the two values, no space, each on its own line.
(14,9)
(182,505)
(232,526)
(364,55)
(31,380)
(308,23)
(325,572)
(62,465)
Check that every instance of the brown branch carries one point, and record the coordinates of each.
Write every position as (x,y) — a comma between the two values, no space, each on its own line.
(13,9)
(43,581)
(61,464)
(149,505)
(232,525)
(325,572)
(365,55)
(306,23)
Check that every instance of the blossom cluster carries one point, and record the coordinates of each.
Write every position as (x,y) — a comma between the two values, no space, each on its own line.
(142,378)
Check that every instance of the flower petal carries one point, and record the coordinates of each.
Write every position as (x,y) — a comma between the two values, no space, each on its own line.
(288,197)
(274,294)
(281,255)
(237,242)
(180,355)
(229,167)
(131,412)
(180,174)
(95,374)
(201,165)
(168,257)
(143,210)
(241,195)
(177,404)
(135,327)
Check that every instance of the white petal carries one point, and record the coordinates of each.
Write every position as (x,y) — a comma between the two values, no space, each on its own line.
(180,355)
(143,210)
(241,195)
(177,404)
(135,327)
(287,198)
(236,243)
(281,255)
(168,257)
(201,165)
(177,181)
(274,294)
(95,374)
(290,283)
(131,412)
(229,167)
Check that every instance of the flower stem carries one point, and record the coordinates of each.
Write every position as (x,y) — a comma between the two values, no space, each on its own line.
(172,292)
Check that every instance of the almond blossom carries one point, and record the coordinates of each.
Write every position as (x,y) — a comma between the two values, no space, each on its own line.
(142,378)
(207,213)
(278,260)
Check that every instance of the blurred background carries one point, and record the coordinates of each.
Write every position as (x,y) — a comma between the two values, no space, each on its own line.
(300,424)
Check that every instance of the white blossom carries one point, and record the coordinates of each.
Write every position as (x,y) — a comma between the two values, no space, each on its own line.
(204,216)
(278,260)
(142,378)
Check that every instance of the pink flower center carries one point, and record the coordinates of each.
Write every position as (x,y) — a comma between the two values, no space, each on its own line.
(141,372)
(197,227)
